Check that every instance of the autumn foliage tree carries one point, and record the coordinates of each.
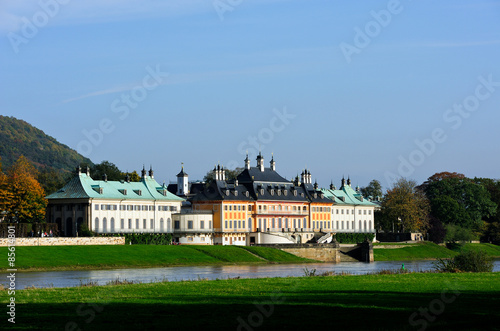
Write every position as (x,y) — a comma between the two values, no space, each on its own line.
(406,207)
(5,194)
(27,201)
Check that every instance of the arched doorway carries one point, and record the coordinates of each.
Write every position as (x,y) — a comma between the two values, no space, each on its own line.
(79,223)
(69,227)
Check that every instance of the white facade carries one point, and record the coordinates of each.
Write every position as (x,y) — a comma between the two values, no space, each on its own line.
(193,228)
(128,216)
(351,218)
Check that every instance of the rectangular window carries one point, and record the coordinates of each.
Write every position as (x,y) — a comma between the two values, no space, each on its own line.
(230,208)
(122,224)
(152,223)
(225,208)
(225,224)
(230,224)
(364,212)
(96,207)
(144,223)
(190,225)
(243,207)
(239,224)
(177,225)
(209,224)
(190,239)
(202,224)
(136,223)
(369,212)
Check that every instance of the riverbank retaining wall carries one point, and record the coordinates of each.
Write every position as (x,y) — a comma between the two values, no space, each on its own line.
(320,252)
(64,241)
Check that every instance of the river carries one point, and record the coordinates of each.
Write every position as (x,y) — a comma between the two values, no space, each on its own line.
(147,275)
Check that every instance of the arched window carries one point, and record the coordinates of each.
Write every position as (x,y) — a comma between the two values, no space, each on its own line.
(169,226)
(359,225)
(96,224)
(161,224)
(104,225)
(365,225)
(112,225)
(369,225)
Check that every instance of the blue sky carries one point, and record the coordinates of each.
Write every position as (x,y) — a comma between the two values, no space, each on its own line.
(366,89)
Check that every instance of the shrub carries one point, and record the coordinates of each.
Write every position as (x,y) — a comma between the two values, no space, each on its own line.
(83,231)
(466,261)
(148,238)
(353,238)
(458,233)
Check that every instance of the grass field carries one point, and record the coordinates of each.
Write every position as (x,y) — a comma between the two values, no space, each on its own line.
(425,250)
(98,257)
(384,302)
(429,250)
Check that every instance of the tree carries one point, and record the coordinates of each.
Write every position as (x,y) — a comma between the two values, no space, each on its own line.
(52,180)
(458,200)
(134,176)
(5,194)
(106,168)
(374,189)
(406,206)
(492,230)
(28,201)
(230,175)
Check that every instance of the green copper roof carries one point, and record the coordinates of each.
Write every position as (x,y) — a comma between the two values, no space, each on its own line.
(347,196)
(83,186)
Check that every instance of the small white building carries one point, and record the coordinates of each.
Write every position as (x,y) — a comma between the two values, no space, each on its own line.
(113,206)
(193,227)
(351,212)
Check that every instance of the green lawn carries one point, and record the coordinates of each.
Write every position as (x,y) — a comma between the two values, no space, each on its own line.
(96,257)
(425,250)
(385,302)
(490,249)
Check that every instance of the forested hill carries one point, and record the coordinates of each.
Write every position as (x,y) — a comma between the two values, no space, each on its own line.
(18,137)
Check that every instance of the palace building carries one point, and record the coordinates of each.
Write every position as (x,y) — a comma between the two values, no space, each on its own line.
(113,206)
(351,212)
(260,206)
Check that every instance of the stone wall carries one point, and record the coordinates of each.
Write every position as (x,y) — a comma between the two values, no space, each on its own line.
(65,241)
(320,252)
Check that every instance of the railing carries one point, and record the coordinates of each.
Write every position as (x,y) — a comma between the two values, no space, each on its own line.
(281,212)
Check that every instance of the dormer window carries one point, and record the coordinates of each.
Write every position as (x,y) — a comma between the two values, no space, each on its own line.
(272,191)
(138,192)
(247,194)
(285,192)
(294,193)
(279,192)
(261,191)
(227,192)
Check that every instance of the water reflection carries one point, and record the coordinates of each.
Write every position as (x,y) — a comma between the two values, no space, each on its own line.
(101,277)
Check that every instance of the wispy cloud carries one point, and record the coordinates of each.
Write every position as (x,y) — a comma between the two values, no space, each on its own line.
(456,43)
(96,11)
